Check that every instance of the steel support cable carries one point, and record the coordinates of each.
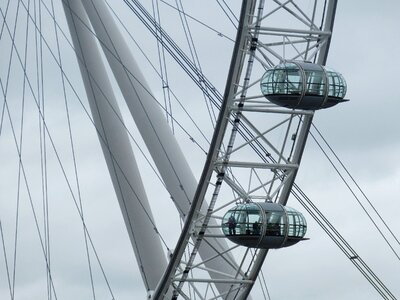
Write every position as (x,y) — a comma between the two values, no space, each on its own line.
(165,83)
(163,68)
(341,243)
(26,183)
(231,11)
(73,150)
(9,64)
(19,163)
(58,158)
(2,117)
(195,57)
(86,112)
(158,103)
(155,99)
(127,73)
(265,283)
(43,151)
(114,161)
(19,169)
(160,39)
(350,255)
(36,30)
(185,63)
(147,213)
(355,196)
(29,194)
(6,261)
(182,60)
(227,15)
(10,281)
(5,17)
(129,78)
(173,49)
(88,115)
(40,90)
(219,33)
(356,184)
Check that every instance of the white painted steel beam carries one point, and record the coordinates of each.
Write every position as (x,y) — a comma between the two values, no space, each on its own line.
(116,148)
(230,281)
(255,165)
(265,30)
(152,125)
(274,110)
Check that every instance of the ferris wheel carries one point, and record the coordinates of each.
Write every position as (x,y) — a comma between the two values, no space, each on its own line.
(235,212)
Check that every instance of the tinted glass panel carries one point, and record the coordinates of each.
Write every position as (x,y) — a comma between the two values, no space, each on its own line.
(283,79)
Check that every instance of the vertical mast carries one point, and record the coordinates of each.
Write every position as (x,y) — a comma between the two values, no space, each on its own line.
(116,148)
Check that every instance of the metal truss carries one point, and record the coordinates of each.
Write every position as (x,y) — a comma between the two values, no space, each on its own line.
(257,146)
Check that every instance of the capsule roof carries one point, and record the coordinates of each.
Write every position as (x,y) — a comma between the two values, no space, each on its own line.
(303,85)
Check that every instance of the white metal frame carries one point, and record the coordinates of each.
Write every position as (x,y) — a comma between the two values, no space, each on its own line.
(284,170)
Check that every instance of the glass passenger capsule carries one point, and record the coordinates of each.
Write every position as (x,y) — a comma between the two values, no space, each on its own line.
(303,85)
(264,225)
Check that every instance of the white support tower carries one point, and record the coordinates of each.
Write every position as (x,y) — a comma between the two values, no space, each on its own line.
(152,125)
(116,148)
(159,139)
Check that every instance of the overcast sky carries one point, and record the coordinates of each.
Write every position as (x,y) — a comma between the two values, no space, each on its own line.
(364,132)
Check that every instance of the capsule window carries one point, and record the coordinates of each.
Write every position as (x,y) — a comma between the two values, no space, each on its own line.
(244,220)
(275,224)
(315,83)
(337,85)
(285,80)
(296,224)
